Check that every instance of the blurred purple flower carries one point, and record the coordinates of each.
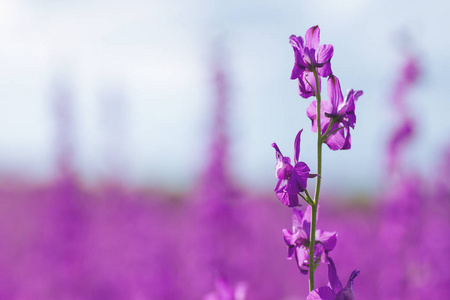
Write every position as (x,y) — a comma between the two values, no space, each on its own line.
(295,176)
(400,138)
(225,292)
(404,132)
(337,110)
(334,290)
(298,239)
(309,55)
(411,70)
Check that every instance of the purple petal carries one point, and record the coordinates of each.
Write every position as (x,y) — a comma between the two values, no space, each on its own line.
(287,198)
(302,256)
(311,112)
(283,168)
(351,278)
(312,37)
(309,57)
(302,174)
(347,292)
(307,85)
(306,222)
(289,238)
(351,118)
(322,293)
(358,94)
(297,146)
(277,187)
(297,45)
(296,42)
(319,250)
(328,239)
(291,252)
(350,100)
(278,154)
(307,216)
(335,283)
(296,183)
(325,107)
(337,140)
(325,70)
(324,54)
(297,72)
(334,93)
(297,218)
(348,140)
(349,107)
(303,89)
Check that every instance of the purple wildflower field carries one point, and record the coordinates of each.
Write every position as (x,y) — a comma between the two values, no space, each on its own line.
(220,240)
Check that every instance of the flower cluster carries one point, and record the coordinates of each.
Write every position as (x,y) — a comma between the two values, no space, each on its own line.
(338,114)
(309,55)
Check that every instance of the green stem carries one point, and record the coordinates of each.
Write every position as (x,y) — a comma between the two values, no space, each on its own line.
(308,196)
(307,200)
(312,241)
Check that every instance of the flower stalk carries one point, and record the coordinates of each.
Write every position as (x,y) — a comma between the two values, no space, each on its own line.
(315,203)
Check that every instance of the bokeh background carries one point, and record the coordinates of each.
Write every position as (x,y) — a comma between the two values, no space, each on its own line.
(135,158)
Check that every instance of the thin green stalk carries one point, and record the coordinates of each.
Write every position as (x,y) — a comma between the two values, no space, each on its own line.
(312,241)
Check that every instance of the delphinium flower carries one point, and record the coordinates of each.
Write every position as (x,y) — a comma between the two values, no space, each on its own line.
(331,120)
(295,177)
(334,290)
(298,240)
(309,55)
(337,115)
(226,292)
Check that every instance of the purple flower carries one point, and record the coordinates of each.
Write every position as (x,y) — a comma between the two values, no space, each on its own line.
(298,240)
(309,55)
(295,177)
(334,290)
(339,111)
(225,292)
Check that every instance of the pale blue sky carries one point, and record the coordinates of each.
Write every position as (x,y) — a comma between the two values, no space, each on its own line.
(158,55)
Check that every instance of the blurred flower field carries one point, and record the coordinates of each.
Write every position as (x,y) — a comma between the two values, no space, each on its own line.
(64,240)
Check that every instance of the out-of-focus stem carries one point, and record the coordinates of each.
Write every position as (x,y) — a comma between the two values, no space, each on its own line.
(312,240)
